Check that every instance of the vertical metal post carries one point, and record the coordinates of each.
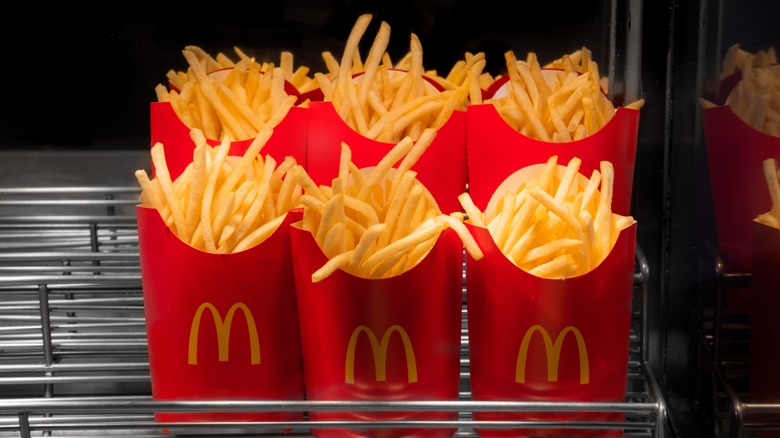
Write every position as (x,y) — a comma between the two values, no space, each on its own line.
(644,270)
(48,350)
(715,409)
(612,66)
(717,319)
(69,295)
(111,209)
(633,73)
(24,425)
(93,237)
(719,43)
(94,243)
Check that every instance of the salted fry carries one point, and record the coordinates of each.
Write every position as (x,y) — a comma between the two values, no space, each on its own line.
(162,175)
(334,263)
(561,267)
(475,216)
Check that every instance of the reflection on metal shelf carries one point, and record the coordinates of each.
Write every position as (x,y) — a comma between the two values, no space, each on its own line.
(73,352)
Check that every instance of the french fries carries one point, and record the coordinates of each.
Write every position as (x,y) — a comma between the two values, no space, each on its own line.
(755,99)
(737,59)
(223,97)
(387,102)
(556,225)
(468,71)
(221,203)
(564,101)
(772,177)
(376,222)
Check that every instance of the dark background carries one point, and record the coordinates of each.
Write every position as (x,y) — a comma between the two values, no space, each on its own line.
(84,79)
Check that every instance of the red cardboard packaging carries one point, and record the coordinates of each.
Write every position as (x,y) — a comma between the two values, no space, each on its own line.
(735,153)
(540,339)
(496,150)
(764,324)
(442,168)
(220,326)
(391,339)
(536,339)
(288,138)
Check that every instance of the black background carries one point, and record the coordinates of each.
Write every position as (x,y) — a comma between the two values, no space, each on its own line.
(83,79)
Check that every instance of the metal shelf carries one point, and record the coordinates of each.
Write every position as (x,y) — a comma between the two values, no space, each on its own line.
(73,352)
(724,344)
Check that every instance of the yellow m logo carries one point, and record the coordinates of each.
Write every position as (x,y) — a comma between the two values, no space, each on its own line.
(553,352)
(380,353)
(223,332)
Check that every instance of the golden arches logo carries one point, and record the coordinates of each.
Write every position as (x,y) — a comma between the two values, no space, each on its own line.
(380,353)
(223,332)
(553,352)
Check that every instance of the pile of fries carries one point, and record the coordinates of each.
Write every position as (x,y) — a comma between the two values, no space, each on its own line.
(221,203)
(387,102)
(230,98)
(555,226)
(738,59)
(755,99)
(564,101)
(376,222)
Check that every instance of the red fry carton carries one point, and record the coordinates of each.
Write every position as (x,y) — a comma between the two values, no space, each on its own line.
(288,138)
(220,326)
(536,339)
(735,152)
(442,168)
(496,150)
(764,325)
(391,339)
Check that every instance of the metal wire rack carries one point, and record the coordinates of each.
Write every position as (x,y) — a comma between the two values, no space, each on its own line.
(724,341)
(73,352)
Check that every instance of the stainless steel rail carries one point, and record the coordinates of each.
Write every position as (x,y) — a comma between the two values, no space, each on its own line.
(73,353)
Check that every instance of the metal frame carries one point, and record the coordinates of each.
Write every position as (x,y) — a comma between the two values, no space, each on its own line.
(722,338)
(73,355)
